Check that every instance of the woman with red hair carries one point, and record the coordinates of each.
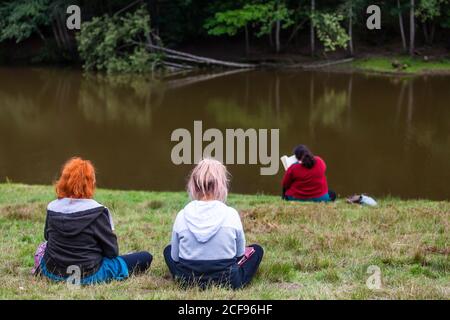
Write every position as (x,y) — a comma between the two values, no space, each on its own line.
(80,233)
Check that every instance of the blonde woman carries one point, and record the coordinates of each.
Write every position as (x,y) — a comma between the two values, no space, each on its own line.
(208,241)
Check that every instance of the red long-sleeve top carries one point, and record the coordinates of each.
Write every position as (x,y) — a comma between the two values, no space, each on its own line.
(303,183)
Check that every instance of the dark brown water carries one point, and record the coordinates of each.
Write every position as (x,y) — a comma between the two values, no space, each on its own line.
(377,134)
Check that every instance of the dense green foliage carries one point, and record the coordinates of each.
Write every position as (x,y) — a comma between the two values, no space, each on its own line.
(260,16)
(330,32)
(117,43)
(269,25)
(20,19)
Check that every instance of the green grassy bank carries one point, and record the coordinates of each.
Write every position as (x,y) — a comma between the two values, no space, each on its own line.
(402,65)
(313,251)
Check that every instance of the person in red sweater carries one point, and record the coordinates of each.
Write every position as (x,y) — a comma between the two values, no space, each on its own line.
(306,180)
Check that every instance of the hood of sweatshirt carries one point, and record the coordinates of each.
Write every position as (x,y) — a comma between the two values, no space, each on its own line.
(71,216)
(204,218)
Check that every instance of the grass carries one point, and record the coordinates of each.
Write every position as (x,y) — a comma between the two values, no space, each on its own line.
(312,251)
(413,66)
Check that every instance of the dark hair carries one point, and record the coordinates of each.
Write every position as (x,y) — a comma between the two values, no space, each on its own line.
(303,154)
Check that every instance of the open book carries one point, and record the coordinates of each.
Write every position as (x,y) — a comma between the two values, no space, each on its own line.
(288,161)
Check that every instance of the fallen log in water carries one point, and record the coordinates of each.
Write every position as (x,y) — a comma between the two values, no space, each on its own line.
(178,83)
(187,57)
(177,65)
(323,64)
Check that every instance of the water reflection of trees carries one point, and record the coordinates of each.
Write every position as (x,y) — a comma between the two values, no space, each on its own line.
(18,108)
(330,105)
(416,120)
(249,111)
(328,110)
(33,97)
(27,95)
(432,135)
(229,113)
(125,98)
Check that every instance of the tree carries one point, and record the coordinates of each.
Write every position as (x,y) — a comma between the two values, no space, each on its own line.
(312,32)
(402,28)
(330,32)
(350,27)
(348,9)
(117,44)
(260,16)
(281,16)
(57,12)
(20,19)
(412,29)
(230,22)
(428,12)
(445,21)
(277,26)
(182,21)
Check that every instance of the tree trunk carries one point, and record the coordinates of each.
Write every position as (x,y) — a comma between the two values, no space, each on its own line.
(402,29)
(41,35)
(412,30)
(270,38)
(277,36)
(428,32)
(277,30)
(153,9)
(56,36)
(426,35)
(247,43)
(187,57)
(433,30)
(110,12)
(67,39)
(60,30)
(297,27)
(350,29)
(313,45)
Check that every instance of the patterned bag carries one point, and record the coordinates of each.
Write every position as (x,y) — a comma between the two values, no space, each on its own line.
(38,257)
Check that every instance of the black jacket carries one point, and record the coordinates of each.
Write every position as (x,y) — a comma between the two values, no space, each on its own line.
(80,238)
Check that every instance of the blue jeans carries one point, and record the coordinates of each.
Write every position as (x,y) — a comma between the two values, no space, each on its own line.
(118,268)
(239,276)
(325,198)
(110,269)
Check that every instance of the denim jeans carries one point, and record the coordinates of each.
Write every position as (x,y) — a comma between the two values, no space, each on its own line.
(242,275)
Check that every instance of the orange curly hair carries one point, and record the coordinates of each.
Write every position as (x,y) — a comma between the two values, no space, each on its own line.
(77,180)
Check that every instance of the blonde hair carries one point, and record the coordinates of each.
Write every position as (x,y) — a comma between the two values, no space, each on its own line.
(209,179)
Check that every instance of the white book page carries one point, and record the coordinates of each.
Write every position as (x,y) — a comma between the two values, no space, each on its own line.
(288,161)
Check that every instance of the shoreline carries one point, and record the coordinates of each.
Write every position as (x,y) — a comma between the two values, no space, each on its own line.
(312,250)
(373,64)
(182,192)
(407,66)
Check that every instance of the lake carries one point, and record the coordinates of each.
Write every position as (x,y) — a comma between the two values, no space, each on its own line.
(379,135)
